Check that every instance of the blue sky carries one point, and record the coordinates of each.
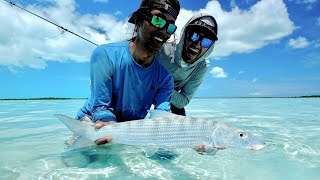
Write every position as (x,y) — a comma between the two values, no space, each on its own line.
(265,48)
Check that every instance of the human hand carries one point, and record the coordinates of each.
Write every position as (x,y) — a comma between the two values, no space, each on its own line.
(202,149)
(100,124)
(87,120)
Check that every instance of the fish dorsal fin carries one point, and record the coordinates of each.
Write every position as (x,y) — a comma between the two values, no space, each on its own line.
(160,114)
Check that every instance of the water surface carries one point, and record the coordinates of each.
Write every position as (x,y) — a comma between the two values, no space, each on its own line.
(33,144)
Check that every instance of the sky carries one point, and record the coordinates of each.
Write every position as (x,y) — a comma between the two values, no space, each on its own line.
(266,48)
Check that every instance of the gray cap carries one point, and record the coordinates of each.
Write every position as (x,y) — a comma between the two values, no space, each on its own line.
(208,24)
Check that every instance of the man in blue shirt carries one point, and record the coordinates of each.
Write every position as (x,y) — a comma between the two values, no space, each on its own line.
(127,77)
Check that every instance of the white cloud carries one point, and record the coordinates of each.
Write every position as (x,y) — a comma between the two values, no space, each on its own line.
(305,1)
(241,72)
(118,13)
(233,3)
(32,42)
(311,59)
(255,94)
(27,41)
(244,31)
(218,72)
(308,3)
(300,42)
(254,80)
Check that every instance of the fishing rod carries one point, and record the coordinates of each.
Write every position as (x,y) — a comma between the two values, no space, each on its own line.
(64,29)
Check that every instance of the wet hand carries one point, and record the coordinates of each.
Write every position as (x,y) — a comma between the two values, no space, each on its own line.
(104,140)
(221,147)
(202,149)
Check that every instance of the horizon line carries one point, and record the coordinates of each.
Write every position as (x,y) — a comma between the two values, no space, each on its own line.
(78,98)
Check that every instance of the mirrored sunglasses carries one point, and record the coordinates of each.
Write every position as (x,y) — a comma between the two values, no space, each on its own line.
(205,42)
(160,23)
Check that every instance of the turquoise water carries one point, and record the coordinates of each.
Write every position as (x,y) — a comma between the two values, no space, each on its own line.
(33,144)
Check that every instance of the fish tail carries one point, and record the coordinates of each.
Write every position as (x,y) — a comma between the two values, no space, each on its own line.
(77,127)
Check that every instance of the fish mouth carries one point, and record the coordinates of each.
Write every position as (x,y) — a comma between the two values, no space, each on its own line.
(257,147)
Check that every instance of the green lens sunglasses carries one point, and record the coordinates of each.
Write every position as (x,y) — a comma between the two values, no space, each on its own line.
(160,23)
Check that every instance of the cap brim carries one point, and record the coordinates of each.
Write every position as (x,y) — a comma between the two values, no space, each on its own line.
(131,19)
(211,34)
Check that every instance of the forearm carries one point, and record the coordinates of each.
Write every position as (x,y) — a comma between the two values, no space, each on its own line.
(183,96)
(163,97)
(179,100)
(104,114)
(101,70)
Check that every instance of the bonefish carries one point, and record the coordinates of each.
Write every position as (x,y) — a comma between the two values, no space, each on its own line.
(165,129)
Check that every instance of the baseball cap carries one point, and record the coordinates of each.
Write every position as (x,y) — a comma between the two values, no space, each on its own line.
(208,25)
(170,6)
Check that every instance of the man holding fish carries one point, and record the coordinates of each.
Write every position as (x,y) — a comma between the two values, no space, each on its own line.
(127,77)
(124,89)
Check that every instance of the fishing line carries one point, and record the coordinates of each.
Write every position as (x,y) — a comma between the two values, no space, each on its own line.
(63,29)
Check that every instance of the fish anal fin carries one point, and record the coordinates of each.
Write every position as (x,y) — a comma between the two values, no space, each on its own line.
(149,151)
(81,142)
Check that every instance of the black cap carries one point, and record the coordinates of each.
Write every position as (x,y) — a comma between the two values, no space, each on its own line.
(208,25)
(170,6)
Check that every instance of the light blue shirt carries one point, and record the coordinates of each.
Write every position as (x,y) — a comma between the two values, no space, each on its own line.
(187,77)
(121,89)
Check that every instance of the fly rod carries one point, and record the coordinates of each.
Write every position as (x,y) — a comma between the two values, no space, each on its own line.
(64,29)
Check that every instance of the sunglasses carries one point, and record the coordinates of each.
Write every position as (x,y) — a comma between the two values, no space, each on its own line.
(205,42)
(160,23)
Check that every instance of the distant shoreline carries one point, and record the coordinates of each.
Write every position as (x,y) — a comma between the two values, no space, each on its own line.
(317,96)
(49,98)
(56,98)
(313,96)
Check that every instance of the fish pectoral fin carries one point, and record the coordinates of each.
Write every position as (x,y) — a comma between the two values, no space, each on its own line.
(206,149)
(149,151)
(210,152)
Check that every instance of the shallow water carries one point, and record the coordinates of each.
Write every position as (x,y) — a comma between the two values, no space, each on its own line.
(33,144)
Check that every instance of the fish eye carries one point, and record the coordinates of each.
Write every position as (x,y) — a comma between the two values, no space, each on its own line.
(242,135)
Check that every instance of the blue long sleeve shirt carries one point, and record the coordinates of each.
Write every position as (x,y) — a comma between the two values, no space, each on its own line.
(121,89)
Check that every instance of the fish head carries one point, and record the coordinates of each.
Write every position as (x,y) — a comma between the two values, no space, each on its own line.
(225,136)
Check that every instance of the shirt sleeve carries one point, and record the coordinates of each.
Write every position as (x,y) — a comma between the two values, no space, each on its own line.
(163,96)
(101,71)
(183,97)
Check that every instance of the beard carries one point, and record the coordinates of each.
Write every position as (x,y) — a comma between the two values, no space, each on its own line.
(190,53)
(153,40)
